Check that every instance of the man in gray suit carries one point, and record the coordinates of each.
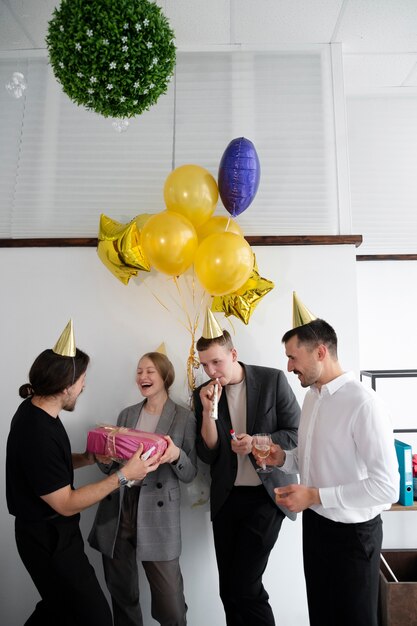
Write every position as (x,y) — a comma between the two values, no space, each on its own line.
(246,519)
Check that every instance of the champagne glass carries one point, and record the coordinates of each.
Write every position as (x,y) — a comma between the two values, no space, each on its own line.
(262,445)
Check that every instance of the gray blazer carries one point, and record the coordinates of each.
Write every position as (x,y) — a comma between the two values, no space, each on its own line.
(158,518)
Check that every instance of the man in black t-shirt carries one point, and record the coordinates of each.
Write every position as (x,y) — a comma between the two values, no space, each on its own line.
(41,495)
(39,462)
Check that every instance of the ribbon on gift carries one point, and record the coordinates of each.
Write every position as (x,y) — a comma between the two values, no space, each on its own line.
(112,431)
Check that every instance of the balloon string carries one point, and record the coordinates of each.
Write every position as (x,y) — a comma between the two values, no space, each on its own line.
(200,308)
(180,304)
(227,225)
(190,324)
(193,285)
(164,305)
(197,308)
(192,362)
(184,306)
(192,289)
(231,325)
(156,297)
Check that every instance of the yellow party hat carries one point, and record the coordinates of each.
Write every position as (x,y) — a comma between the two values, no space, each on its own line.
(65,346)
(300,313)
(211,328)
(162,349)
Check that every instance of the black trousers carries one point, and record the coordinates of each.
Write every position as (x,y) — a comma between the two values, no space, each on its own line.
(53,554)
(245,531)
(341,567)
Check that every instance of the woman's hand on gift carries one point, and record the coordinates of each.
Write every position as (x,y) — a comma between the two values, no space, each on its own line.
(172,452)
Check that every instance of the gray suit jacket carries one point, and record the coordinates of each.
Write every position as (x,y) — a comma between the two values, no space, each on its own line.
(271,408)
(158,519)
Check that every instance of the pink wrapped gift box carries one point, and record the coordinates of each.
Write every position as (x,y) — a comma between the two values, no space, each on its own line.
(121,443)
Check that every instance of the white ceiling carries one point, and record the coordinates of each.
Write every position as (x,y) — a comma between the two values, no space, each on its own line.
(378,37)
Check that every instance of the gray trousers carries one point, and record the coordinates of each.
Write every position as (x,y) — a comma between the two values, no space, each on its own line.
(121,573)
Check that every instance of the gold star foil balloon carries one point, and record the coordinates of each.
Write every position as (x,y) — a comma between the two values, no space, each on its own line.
(119,247)
(300,313)
(242,302)
(108,254)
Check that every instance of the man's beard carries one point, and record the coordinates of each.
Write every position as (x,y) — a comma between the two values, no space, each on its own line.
(70,405)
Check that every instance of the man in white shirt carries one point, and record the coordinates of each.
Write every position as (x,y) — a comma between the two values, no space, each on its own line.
(348,474)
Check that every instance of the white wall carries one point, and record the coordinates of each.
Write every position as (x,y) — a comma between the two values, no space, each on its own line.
(387,300)
(387,304)
(115,324)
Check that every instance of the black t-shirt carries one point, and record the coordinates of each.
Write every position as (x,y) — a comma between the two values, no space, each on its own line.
(38,462)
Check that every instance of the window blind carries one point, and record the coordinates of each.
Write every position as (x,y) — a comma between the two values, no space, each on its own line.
(62,165)
(277,100)
(383,161)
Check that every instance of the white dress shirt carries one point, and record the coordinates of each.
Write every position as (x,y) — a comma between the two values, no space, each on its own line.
(346,450)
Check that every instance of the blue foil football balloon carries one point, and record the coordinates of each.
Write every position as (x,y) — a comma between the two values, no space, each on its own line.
(239,175)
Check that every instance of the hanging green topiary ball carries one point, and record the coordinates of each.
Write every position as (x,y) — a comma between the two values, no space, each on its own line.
(115,57)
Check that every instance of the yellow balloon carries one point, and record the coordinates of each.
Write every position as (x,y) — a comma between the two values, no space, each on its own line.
(223,263)
(191,191)
(169,241)
(218,224)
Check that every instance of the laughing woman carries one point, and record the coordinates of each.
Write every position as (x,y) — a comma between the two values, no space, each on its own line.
(142,523)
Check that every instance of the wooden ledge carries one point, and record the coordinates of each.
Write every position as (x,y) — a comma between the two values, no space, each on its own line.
(401,507)
(253,240)
(304,240)
(386,257)
(62,242)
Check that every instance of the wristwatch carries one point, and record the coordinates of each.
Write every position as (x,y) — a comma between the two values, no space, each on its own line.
(123,481)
